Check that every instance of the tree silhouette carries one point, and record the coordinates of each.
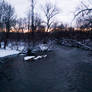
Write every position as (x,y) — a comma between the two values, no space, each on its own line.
(50,11)
(8,18)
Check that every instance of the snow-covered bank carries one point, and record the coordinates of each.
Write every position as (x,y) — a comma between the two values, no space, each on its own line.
(7,52)
(23,49)
(86,44)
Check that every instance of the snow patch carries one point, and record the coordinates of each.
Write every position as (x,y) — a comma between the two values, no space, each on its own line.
(28,57)
(7,52)
(35,58)
(43,47)
(38,57)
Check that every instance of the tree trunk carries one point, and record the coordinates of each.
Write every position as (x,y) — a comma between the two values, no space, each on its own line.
(33,22)
(48,25)
(7,34)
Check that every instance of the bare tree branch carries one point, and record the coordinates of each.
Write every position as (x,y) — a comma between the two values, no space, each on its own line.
(50,11)
(81,11)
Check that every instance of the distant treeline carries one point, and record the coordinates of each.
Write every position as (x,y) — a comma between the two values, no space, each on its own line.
(40,36)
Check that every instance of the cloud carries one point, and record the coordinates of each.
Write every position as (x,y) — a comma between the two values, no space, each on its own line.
(67,7)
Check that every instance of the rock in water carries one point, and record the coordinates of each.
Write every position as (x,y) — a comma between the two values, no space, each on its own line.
(29,52)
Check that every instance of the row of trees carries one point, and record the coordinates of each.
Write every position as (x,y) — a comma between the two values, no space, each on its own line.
(33,21)
(7,19)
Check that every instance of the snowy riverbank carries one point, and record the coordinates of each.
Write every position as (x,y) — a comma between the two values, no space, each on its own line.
(7,52)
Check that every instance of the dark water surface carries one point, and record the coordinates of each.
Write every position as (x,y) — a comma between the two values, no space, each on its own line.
(64,70)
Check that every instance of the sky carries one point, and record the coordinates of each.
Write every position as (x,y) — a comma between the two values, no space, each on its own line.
(66,7)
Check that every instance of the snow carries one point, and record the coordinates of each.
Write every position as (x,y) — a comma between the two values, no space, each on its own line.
(7,52)
(43,47)
(12,49)
(75,43)
(38,57)
(45,56)
(40,48)
(35,58)
(28,57)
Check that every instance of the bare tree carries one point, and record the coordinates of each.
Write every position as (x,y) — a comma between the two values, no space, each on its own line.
(1,22)
(1,14)
(84,8)
(9,19)
(84,22)
(37,21)
(29,26)
(32,16)
(50,12)
(30,19)
(84,13)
